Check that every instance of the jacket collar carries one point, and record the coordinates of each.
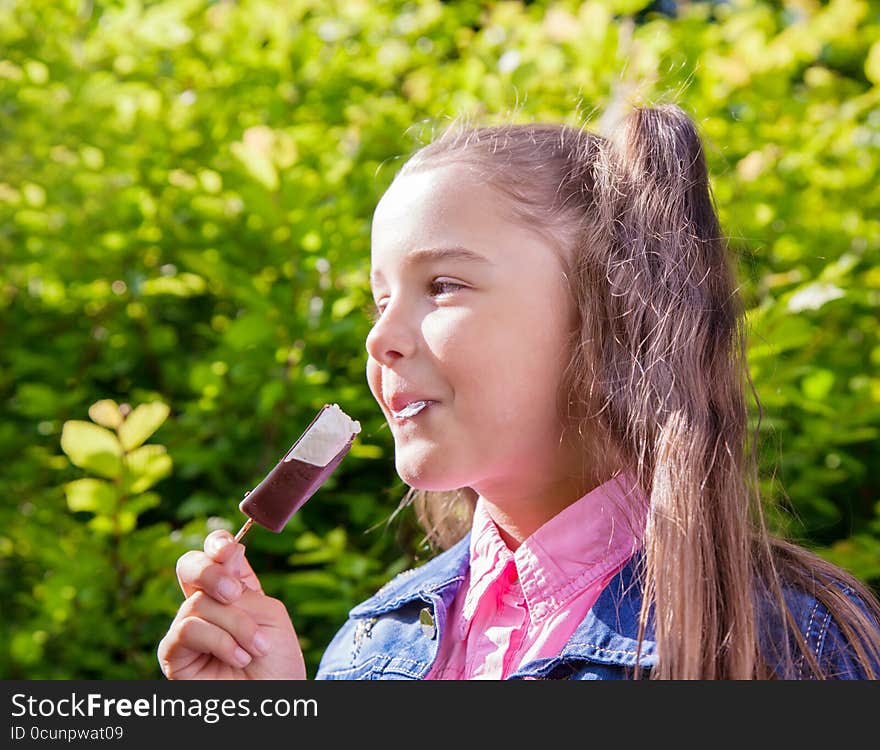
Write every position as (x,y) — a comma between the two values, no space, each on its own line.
(436,576)
(607,635)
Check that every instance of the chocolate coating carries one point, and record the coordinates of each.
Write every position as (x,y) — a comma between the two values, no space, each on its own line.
(286,488)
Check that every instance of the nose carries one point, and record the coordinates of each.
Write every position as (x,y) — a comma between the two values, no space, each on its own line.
(393,336)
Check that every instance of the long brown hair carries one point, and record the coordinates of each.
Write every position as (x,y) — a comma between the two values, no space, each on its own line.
(656,382)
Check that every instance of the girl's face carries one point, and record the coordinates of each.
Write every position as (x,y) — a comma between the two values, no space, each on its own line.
(473,318)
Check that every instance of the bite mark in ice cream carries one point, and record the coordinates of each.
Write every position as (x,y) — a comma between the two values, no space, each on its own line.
(325,437)
(302,470)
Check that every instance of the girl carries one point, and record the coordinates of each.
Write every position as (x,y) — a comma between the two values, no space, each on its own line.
(558,312)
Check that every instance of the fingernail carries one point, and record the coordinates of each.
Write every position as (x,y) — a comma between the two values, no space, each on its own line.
(261,643)
(220,542)
(242,657)
(228,588)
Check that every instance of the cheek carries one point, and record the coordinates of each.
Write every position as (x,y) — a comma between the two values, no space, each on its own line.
(504,361)
(374,377)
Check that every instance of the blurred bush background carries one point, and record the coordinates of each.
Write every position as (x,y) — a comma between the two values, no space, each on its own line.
(186,190)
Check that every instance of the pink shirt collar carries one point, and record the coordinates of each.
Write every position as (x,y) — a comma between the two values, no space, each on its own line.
(581,544)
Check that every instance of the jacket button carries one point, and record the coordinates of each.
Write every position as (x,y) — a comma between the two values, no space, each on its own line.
(426,618)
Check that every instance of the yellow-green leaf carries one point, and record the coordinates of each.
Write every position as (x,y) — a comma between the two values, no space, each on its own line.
(125,522)
(872,64)
(627,7)
(92,448)
(106,413)
(141,423)
(258,165)
(365,450)
(147,465)
(93,495)
(181,285)
(103,525)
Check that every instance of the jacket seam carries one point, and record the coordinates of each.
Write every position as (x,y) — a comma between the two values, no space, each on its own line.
(820,638)
(396,659)
(603,649)
(807,632)
(397,664)
(439,586)
(381,607)
(359,668)
(562,592)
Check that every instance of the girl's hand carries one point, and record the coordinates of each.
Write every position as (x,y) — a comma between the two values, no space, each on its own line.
(227,628)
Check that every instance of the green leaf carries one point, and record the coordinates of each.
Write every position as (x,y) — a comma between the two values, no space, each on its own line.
(106,413)
(92,448)
(818,384)
(92,495)
(147,465)
(37,400)
(141,503)
(141,423)
(857,435)
(315,557)
(859,553)
(248,331)
(788,333)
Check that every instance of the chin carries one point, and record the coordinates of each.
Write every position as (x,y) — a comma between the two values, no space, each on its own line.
(420,481)
(424,476)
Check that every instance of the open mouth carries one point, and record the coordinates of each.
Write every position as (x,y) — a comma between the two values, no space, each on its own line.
(410,410)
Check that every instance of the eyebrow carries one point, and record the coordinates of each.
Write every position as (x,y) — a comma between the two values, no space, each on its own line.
(424,255)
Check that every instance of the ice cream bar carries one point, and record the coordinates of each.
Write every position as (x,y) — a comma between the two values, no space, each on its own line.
(301,471)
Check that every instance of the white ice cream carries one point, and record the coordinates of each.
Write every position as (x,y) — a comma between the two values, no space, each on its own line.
(410,410)
(325,438)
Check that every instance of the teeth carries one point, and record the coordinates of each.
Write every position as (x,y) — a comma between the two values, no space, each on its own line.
(411,409)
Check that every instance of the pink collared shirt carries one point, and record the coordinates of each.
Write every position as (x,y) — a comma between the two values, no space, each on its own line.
(517,606)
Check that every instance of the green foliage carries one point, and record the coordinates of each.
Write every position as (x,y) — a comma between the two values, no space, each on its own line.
(121,457)
(186,190)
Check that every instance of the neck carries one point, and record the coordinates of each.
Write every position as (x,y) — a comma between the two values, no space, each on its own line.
(519,508)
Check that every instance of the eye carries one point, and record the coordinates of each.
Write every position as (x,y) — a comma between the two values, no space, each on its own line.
(445,285)
(373,312)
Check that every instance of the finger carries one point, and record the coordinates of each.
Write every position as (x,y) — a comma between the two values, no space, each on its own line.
(243,570)
(264,610)
(222,548)
(231,619)
(219,546)
(198,636)
(198,572)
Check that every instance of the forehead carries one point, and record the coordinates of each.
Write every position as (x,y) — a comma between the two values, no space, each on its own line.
(446,208)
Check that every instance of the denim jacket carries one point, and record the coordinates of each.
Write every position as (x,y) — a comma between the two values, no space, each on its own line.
(394,635)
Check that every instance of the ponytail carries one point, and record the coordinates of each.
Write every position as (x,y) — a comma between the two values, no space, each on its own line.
(676,357)
(668,353)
